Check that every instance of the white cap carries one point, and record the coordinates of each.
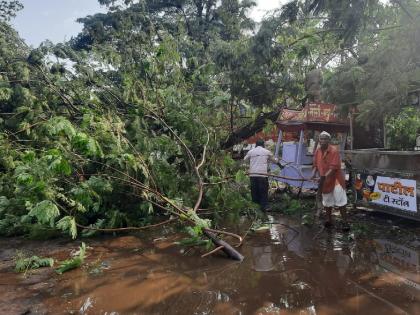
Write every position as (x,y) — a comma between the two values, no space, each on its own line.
(324,133)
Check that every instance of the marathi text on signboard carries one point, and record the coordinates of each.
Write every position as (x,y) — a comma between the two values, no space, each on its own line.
(313,112)
(392,192)
(396,193)
(322,112)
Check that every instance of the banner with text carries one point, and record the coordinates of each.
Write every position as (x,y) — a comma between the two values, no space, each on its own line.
(396,193)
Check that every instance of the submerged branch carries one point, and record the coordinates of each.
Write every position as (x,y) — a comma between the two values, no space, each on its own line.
(128,228)
(229,250)
(226,233)
(212,251)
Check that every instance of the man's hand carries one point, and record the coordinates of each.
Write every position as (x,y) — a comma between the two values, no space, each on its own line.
(329,172)
(315,179)
(320,180)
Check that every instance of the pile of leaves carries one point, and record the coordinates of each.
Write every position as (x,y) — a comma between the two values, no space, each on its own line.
(24,264)
(74,262)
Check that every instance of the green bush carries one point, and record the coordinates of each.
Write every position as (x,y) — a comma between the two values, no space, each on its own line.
(403,129)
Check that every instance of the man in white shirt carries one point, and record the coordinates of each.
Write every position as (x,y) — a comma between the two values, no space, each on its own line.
(258,168)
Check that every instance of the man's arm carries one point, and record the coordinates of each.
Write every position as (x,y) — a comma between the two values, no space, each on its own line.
(272,159)
(335,164)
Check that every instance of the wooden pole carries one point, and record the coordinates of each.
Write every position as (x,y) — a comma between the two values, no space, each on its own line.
(276,154)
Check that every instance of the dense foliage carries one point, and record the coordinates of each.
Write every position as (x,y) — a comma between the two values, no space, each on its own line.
(403,129)
(382,71)
(109,134)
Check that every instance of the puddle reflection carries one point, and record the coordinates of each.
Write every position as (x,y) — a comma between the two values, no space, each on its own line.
(262,258)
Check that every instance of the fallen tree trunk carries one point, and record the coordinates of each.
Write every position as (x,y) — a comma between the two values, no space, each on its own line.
(224,246)
(250,129)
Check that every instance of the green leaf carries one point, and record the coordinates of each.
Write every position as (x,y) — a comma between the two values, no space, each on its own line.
(100,184)
(60,126)
(68,224)
(240,176)
(228,161)
(23,264)
(4,203)
(87,145)
(146,208)
(45,212)
(200,223)
(28,156)
(74,262)
(24,179)
(84,196)
(60,166)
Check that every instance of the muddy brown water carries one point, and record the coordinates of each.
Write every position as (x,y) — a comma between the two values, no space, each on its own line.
(289,269)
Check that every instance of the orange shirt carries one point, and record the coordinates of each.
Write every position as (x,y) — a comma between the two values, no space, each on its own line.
(329,160)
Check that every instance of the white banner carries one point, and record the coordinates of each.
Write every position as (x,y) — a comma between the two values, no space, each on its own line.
(395,192)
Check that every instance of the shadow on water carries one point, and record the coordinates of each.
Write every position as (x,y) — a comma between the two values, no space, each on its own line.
(289,269)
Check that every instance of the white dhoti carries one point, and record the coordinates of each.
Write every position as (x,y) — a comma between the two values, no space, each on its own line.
(336,198)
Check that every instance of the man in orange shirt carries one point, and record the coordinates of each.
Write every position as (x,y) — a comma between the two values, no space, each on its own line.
(327,163)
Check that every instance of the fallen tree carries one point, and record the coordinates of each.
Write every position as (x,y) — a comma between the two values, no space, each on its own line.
(250,129)
(107,148)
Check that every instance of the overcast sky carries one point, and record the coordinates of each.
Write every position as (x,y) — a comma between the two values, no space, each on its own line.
(56,19)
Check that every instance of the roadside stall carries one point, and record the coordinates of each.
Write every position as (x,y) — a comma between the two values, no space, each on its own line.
(387,181)
(298,139)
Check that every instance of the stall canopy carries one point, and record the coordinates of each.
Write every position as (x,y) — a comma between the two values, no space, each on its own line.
(314,116)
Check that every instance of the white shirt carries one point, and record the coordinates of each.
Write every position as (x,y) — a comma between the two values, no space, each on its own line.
(258,161)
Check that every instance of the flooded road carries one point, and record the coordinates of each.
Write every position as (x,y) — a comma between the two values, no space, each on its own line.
(288,269)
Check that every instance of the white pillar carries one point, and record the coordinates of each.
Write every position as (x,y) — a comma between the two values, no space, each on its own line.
(300,147)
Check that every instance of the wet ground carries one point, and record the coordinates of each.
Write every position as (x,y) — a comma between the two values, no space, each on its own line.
(288,269)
